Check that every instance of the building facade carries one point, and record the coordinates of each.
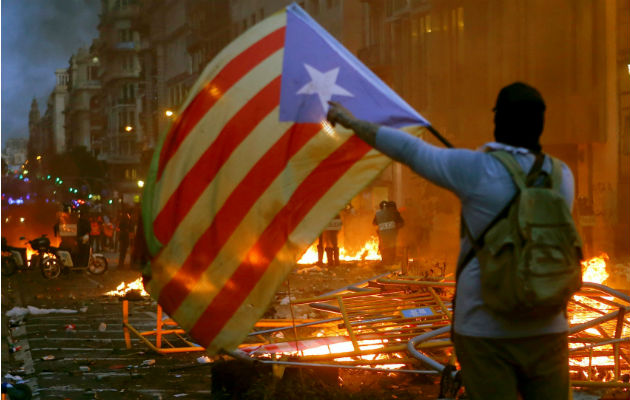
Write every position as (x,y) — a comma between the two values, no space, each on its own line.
(450,58)
(83,125)
(117,49)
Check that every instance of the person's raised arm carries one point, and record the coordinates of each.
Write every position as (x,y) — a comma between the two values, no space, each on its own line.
(453,169)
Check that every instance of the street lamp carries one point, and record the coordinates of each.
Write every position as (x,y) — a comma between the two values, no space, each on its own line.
(128,128)
(140,184)
(168,113)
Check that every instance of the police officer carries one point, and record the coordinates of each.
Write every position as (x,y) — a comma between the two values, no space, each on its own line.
(329,241)
(388,221)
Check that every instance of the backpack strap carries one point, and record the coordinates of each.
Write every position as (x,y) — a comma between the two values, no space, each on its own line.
(556,174)
(511,165)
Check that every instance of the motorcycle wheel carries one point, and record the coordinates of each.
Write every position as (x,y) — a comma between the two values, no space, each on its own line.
(98,265)
(50,267)
(8,266)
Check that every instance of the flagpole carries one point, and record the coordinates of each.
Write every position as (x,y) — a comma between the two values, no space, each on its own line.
(439,136)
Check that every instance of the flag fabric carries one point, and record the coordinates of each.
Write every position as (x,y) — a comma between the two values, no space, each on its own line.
(250,172)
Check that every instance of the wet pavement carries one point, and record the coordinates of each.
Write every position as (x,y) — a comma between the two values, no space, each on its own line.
(83,354)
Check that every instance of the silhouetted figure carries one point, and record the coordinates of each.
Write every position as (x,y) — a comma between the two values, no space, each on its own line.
(329,241)
(124,230)
(388,221)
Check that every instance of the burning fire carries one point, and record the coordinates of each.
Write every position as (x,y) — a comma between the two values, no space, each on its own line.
(368,252)
(332,347)
(29,253)
(594,269)
(123,288)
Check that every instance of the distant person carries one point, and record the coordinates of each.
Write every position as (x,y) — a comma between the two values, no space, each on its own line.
(387,221)
(108,233)
(329,242)
(96,234)
(66,228)
(83,238)
(124,231)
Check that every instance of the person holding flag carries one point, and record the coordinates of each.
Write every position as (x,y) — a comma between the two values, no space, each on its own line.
(499,357)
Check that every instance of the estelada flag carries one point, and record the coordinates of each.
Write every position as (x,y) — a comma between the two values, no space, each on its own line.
(250,172)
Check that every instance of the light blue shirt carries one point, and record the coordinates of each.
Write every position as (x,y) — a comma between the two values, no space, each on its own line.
(484,188)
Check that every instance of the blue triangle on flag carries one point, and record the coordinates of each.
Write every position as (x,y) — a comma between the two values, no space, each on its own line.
(317,68)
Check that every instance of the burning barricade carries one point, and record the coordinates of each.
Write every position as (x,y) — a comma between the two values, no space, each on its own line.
(401,323)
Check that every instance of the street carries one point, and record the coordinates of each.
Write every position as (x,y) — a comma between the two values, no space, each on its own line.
(82,355)
(68,356)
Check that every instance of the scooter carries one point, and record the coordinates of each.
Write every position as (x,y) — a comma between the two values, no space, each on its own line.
(13,258)
(52,260)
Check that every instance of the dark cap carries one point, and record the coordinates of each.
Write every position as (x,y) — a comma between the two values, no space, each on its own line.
(519,95)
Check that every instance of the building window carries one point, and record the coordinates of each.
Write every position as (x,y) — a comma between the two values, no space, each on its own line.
(122,4)
(92,73)
(128,93)
(126,120)
(125,35)
(128,62)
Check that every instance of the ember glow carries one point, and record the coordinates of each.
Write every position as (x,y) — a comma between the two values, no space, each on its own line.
(594,269)
(369,251)
(335,347)
(29,253)
(125,288)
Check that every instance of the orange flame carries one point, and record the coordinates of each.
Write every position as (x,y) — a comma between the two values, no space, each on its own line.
(594,269)
(369,251)
(124,288)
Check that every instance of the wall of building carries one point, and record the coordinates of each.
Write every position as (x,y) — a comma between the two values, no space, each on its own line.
(450,58)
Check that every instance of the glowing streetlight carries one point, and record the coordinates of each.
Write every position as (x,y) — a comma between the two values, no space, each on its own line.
(128,128)
(168,113)
(140,184)
(39,158)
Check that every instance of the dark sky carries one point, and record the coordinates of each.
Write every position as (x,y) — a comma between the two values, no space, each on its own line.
(39,36)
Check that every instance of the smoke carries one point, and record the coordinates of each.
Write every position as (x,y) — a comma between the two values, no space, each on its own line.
(39,36)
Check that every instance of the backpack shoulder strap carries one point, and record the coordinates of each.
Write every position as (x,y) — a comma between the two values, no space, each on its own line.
(513,167)
(556,174)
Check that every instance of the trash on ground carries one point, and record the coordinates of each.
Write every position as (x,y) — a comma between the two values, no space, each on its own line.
(21,311)
(102,327)
(203,360)
(84,368)
(71,328)
(148,362)
(13,349)
(48,357)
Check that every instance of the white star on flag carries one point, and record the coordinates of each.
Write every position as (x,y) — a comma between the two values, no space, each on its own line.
(323,85)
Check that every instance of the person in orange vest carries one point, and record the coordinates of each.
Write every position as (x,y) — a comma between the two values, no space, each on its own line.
(95,234)
(108,233)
